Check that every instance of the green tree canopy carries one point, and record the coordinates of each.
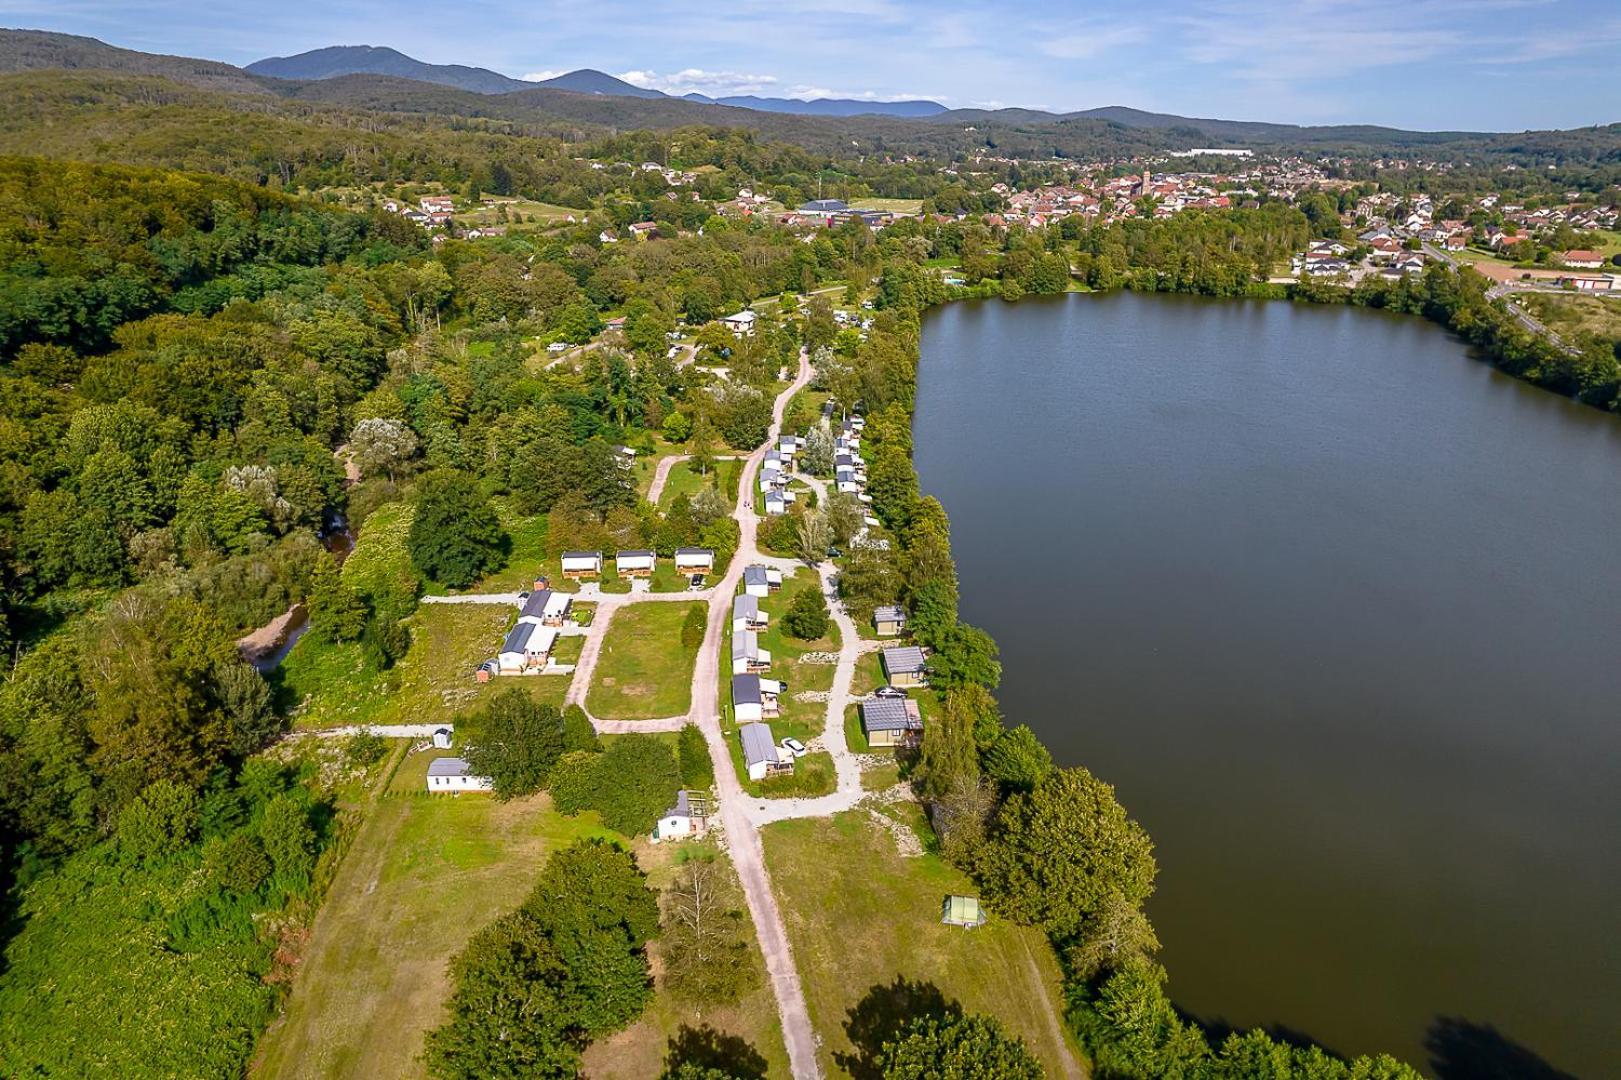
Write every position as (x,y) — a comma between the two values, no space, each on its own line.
(1057,854)
(455,536)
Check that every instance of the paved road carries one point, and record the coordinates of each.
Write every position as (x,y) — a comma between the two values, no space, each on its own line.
(1504,292)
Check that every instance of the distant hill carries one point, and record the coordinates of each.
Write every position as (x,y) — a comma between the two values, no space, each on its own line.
(337,60)
(826,106)
(38,50)
(589,81)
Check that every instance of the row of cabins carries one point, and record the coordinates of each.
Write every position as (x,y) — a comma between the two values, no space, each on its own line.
(528,646)
(754,696)
(775,497)
(889,717)
(585,565)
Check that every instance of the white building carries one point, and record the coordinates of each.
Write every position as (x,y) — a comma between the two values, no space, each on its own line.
(453,774)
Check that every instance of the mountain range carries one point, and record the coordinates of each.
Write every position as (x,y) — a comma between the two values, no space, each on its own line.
(51,71)
(338,60)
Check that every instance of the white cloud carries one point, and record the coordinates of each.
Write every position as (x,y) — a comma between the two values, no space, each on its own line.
(700,81)
(541,76)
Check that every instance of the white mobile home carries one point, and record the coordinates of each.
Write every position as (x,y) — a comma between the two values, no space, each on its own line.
(635,563)
(694,560)
(528,646)
(760,752)
(581,564)
(453,774)
(746,614)
(754,698)
(747,656)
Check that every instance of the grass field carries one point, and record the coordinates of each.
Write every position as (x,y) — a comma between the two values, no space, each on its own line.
(892,206)
(424,873)
(644,671)
(330,685)
(685,480)
(861,917)
(1576,316)
(541,213)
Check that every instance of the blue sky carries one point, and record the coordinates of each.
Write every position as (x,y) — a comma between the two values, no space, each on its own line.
(1476,64)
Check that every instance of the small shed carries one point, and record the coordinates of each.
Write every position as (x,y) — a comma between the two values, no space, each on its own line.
(962,911)
(441,738)
(688,817)
(889,621)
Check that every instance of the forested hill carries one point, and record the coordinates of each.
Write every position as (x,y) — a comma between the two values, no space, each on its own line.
(34,50)
(560,107)
(372,60)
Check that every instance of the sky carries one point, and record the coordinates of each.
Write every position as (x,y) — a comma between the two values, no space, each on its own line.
(1499,65)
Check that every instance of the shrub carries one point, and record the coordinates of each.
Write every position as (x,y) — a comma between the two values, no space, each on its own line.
(692,752)
(694,626)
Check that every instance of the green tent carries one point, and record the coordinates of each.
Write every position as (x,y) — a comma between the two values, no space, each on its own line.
(961,911)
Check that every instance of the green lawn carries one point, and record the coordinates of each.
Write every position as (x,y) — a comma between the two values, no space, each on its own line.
(685,480)
(644,672)
(804,720)
(860,917)
(424,873)
(869,675)
(330,685)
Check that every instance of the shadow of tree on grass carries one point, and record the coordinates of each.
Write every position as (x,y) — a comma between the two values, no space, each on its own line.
(704,1048)
(874,1020)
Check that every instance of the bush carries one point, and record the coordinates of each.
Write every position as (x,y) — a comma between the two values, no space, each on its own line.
(237,864)
(160,823)
(578,731)
(692,752)
(694,626)
(364,748)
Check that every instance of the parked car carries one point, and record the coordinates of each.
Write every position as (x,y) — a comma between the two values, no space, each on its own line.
(888,692)
(695,582)
(793,746)
(557,346)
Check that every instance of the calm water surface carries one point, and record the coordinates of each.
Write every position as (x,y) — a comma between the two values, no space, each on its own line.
(1338,611)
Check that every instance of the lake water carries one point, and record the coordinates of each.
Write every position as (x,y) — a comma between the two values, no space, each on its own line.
(1338,611)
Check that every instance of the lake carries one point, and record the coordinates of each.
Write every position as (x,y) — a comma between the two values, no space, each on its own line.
(1337,609)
